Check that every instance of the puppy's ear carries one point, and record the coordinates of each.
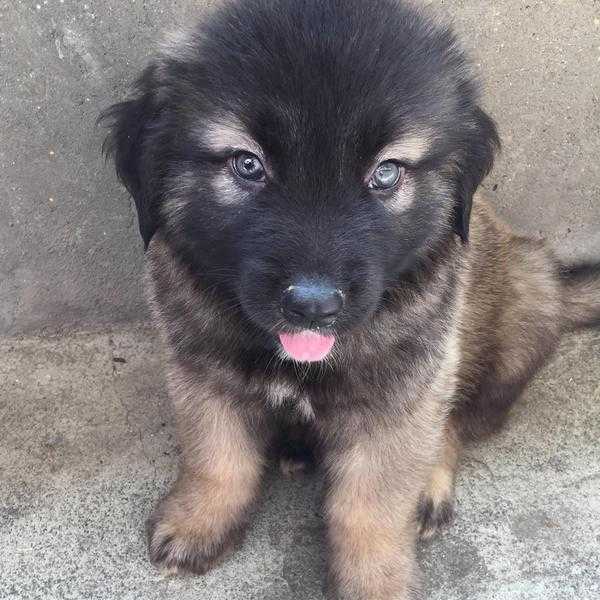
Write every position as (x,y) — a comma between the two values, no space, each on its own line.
(476,162)
(129,122)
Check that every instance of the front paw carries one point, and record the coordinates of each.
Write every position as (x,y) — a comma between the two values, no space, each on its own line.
(180,543)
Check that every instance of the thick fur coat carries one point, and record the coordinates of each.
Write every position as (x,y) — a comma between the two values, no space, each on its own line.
(342,142)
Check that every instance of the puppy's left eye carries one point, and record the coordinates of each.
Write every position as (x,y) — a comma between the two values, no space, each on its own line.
(248,166)
(386,176)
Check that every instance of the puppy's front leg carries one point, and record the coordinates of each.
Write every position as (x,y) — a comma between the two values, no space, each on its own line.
(374,484)
(203,516)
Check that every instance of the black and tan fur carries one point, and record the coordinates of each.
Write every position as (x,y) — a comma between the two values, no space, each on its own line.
(448,316)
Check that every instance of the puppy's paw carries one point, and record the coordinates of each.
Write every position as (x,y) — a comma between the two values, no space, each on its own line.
(295,459)
(433,515)
(178,546)
(436,505)
(292,468)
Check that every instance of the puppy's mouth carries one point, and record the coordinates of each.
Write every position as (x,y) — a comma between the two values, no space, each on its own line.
(307,345)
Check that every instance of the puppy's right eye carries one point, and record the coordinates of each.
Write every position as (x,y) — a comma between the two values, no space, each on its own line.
(248,166)
(387,175)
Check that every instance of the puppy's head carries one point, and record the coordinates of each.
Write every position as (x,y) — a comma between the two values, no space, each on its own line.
(301,156)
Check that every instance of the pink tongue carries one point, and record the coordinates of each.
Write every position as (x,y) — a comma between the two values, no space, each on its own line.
(307,346)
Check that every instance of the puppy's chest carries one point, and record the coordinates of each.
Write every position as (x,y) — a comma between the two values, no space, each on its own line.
(307,399)
(289,398)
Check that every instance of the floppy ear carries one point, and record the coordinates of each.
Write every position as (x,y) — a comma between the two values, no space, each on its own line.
(129,122)
(476,162)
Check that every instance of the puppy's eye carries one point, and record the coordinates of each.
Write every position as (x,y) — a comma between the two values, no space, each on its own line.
(248,166)
(387,175)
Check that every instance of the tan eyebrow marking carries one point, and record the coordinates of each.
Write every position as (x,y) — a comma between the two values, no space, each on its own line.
(410,148)
(228,133)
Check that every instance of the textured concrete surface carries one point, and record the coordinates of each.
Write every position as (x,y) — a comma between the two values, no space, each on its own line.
(69,250)
(86,448)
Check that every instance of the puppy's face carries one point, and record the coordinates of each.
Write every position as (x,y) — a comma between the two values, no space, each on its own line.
(304,156)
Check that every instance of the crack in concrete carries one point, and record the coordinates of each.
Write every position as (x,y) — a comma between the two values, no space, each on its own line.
(132,430)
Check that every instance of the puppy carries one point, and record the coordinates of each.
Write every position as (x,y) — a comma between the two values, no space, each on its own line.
(320,265)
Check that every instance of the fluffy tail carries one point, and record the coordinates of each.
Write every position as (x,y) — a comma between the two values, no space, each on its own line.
(581,296)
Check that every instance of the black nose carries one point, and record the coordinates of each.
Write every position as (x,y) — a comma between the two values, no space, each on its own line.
(312,304)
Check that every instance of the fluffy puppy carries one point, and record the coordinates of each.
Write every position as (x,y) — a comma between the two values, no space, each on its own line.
(305,174)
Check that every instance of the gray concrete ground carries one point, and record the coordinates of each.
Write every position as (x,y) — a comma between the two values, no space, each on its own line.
(86,448)
(69,251)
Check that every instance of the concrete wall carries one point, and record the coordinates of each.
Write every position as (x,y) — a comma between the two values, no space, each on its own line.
(69,249)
